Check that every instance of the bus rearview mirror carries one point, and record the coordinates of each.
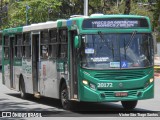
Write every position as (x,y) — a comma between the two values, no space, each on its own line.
(76,42)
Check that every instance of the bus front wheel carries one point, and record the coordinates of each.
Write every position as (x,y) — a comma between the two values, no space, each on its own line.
(66,104)
(129,105)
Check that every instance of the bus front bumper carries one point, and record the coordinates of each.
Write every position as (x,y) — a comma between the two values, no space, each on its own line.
(90,95)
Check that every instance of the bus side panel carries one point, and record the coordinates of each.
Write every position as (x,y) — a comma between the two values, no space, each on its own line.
(7,73)
(0,55)
(17,71)
(48,79)
(27,75)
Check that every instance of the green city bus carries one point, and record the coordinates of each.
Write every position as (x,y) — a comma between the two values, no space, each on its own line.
(97,58)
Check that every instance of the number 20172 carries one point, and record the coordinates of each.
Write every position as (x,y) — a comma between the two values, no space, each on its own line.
(105,85)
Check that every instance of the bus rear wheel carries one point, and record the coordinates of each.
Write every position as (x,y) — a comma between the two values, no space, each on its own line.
(66,104)
(22,89)
(129,105)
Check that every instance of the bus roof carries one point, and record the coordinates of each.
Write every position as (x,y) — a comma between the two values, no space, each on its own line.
(40,26)
(115,16)
(10,31)
(63,23)
(78,23)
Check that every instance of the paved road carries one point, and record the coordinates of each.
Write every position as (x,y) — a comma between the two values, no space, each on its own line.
(10,101)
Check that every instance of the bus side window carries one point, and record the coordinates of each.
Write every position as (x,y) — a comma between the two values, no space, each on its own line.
(27,46)
(53,44)
(53,36)
(63,39)
(18,46)
(6,47)
(44,51)
(6,52)
(6,40)
(44,44)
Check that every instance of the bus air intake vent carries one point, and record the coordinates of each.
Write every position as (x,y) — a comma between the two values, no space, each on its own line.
(127,75)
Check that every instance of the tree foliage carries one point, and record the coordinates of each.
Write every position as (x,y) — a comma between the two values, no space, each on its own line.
(33,10)
(44,10)
(156,20)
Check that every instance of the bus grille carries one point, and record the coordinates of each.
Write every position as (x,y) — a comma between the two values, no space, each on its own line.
(125,75)
(112,93)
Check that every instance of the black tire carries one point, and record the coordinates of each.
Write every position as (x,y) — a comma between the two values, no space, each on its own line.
(129,105)
(22,90)
(66,104)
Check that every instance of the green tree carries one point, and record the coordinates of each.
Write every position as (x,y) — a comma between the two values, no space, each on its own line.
(38,11)
(44,10)
(70,7)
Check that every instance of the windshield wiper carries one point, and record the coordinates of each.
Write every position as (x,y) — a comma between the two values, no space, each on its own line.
(100,34)
(131,38)
(124,47)
(111,48)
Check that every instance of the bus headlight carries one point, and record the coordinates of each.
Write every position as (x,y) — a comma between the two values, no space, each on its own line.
(151,80)
(85,82)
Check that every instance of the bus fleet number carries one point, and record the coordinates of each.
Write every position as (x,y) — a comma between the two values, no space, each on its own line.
(101,85)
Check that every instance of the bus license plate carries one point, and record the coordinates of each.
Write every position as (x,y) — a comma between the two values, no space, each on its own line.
(121,94)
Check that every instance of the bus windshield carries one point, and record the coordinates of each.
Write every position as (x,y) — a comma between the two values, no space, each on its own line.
(116,51)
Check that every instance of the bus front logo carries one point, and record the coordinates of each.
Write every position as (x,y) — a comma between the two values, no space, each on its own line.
(120,85)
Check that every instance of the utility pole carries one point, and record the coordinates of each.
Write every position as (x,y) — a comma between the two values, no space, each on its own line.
(86,7)
(117,3)
(27,8)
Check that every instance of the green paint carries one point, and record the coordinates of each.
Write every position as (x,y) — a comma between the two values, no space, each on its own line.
(12,31)
(17,62)
(60,66)
(77,24)
(6,61)
(26,68)
(61,23)
(134,81)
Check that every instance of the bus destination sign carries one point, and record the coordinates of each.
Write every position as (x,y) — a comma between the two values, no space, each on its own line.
(115,23)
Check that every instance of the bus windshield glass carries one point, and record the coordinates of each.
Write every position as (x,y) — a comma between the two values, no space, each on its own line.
(116,51)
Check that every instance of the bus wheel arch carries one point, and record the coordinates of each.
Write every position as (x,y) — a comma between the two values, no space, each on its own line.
(63,95)
(22,89)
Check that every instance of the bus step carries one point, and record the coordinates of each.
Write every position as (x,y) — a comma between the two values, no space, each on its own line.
(37,95)
(74,99)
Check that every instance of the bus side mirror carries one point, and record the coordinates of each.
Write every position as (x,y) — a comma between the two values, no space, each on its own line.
(76,42)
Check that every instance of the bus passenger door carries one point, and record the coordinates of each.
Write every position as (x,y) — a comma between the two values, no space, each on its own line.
(73,67)
(11,61)
(35,62)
